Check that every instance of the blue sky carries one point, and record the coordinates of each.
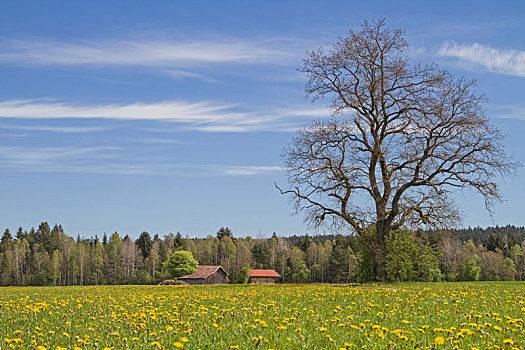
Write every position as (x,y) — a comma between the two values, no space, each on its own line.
(170,116)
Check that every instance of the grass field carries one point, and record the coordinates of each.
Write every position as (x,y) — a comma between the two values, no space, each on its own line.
(425,316)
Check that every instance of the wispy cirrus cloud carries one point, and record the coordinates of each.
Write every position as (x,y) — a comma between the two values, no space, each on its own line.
(145,52)
(113,160)
(183,74)
(59,129)
(18,155)
(175,111)
(249,170)
(508,112)
(509,62)
(87,160)
(156,140)
(199,116)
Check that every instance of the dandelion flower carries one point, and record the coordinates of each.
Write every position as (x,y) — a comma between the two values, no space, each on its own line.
(439,340)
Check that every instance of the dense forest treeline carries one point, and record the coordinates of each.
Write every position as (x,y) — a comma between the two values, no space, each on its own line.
(482,235)
(48,256)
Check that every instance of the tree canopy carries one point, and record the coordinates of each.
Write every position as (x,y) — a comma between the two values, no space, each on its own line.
(181,263)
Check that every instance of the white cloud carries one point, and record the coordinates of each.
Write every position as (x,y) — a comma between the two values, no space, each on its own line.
(249,170)
(225,128)
(200,116)
(97,159)
(145,52)
(112,160)
(508,112)
(14,135)
(176,111)
(156,140)
(59,129)
(32,156)
(312,112)
(182,74)
(510,62)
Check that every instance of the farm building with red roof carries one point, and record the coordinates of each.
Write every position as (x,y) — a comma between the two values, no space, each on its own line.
(263,276)
(206,275)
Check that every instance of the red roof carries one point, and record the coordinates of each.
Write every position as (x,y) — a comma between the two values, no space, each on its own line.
(203,272)
(264,273)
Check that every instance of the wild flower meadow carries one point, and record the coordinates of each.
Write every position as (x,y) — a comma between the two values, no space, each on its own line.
(411,316)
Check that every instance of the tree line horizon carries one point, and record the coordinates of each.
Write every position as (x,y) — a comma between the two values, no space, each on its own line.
(48,256)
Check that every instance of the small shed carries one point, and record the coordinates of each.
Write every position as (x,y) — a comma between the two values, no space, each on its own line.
(263,276)
(206,275)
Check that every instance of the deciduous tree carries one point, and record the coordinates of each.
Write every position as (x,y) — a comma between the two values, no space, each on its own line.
(181,263)
(402,137)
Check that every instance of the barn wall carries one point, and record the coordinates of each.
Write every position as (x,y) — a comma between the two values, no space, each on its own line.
(218,277)
(262,280)
(194,281)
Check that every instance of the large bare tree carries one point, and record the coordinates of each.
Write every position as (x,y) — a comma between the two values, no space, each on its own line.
(402,136)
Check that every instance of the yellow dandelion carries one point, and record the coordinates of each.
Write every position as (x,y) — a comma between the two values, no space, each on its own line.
(508,341)
(178,345)
(439,340)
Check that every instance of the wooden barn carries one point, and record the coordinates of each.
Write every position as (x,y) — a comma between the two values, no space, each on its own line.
(263,276)
(206,275)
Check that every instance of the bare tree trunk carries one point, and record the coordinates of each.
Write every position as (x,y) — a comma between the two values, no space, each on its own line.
(380,252)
